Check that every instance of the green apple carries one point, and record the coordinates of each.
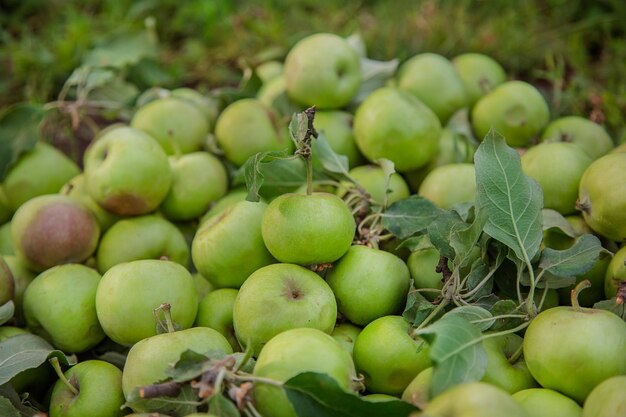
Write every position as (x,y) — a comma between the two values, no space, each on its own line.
(141,237)
(450,184)
(198,179)
(96,391)
(323,70)
(557,167)
(148,359)
(615,273)
(233,196)
(75,188)
(607,399)
(619,149)
(308,229)
(229,247)
(573,349)
(269,70)
(54,229)
(22,277)
(395,125)
(216,311)
(418,390)
(129,293)
(7,283)
(474,399)
(60,305)
(5,210)
(504,370)
(293,352)
(345,334)
(589,136)
(41,170)
(6,242)
(433,79)
(247,127)
(369,283)
(203,286)
(208,106)
(372,179)
(422,265)
(544,402)
(177,125)
(279,297)
(515,109)
(602,196)
(273,90)
(337,128)
(127,172)
(479,74)
(452,148)
(389,367)
(379,398)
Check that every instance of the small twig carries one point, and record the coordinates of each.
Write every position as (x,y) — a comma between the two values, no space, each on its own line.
(165,389)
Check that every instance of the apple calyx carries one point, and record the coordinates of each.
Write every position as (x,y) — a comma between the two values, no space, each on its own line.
(583,205)
(72,385)
(621,292)
(576,291)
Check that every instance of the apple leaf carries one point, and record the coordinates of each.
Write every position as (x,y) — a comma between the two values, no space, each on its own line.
(612,306)
(552,219)
(439,231)
(416,243)
(478,316)
(463,238)
(298,127)
(6,311)
(417,307)
(511,200)
(19,132)
(123,50)
(330,161)
(573,261)
(222,407)
(550,280)
(183,404)
(406,217)
(7,409)
(318,395)
(254,174)
(26,351)
(374,75)
(454,351)
(505,307)
(192,364)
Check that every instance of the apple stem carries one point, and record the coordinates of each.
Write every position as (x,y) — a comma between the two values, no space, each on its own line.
(169,323)
(576,291)
(57,368)
(516,355)
(305,148)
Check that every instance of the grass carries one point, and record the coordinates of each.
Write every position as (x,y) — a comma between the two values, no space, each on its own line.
(575,51)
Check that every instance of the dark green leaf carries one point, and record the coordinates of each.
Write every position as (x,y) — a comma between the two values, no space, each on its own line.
(416,243)
(22,405)
(612,306)
(463,239)
(511,200)
(478,316)
(117,91)
(318,395)
(123,51)
(406,217)
(573,261)
(191,365)
(440,229)
(456,355)
(476,276)
(464,210)
(550,280)
(7,409)
(330,161)
(222,407)
(417,307)
(254,174)
(19,132)
(6,311)
(552,219)
(185,403)
(504,307)
(26,351)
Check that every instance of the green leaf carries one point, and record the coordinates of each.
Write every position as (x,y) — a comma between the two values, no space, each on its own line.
(417,307)
(416,243)
(254,174)
(319,395)
(550,280)
(7,409)
(573,261)
(463,239)
(504,307)
(19,132)
(612,306)
(26,351)
(6,311)
(440,229)
(185,403)
(552,219)
(454,351)
(388,170)
(222,407)
(192,364)
(478,316)
(330,161)
(22,405)
(511,200)
(122,51)
(374,75)
(298,127)
(406,217)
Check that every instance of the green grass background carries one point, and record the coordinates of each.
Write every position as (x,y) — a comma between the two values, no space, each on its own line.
(574,50)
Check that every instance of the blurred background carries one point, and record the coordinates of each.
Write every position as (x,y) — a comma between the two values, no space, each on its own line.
(573,50)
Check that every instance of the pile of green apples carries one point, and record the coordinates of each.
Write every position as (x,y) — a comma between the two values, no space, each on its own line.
(154,246)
